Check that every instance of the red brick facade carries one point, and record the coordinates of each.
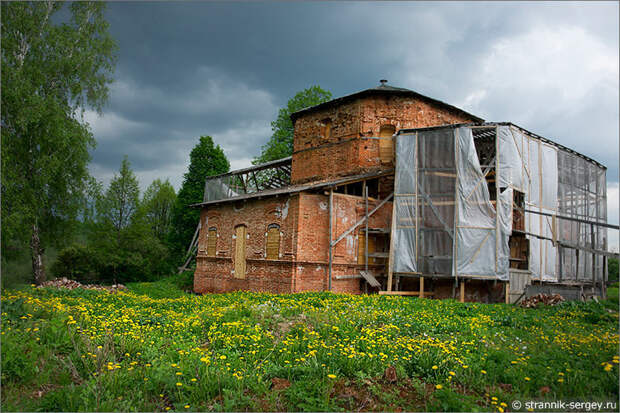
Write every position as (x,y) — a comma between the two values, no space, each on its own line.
(330,141)
(303,265)
(348,151)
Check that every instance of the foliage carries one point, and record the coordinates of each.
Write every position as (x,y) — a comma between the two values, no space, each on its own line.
(206,159)
(121,200)
(121,243)
(313,351)
(51,72)
(78,262)
(157,204)
(280,145)
(612,268)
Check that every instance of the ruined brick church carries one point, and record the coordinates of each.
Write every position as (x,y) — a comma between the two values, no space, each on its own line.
(322,218)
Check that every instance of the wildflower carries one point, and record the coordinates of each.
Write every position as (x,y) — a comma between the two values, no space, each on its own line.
(194,379)
(186,406)
(222,357)
(452,373)
(434,367)
(527,378)
(438,386)
(178,373)
(331,376)
(179,384)
(483,371)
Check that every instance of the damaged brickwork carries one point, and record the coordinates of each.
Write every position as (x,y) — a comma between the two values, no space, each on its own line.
(336,139)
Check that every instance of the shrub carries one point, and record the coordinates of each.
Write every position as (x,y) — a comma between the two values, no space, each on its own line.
(80,263)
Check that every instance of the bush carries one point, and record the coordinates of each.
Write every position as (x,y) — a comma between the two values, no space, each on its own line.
(80,263)
(612,268)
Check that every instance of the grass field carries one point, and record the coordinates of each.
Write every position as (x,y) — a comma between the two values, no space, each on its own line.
(156,348)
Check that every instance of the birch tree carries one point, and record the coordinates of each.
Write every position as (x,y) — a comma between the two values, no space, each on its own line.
(52,71)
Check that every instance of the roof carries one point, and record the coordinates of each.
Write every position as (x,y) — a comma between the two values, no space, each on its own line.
(491,124)
(298,188)
(382,89)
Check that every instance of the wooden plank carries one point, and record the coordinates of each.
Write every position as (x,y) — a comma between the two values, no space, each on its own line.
(347,277)
(273,243)
(462,293)
(240,265)
(413,293)
(508,293)
(361,221)
(211,242)
(421,287)
(370,278)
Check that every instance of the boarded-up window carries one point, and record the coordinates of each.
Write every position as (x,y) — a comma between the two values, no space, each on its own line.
(273,242)
(240,234)
(327,128)
(211,242)
(360,248)
(386,143)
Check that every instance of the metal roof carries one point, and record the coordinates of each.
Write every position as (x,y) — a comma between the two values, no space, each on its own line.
(382,89)
(491,124)
(298,188)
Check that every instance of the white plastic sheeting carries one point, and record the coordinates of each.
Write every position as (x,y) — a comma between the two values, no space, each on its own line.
(405,208)
(476,224)
(434,228)
(218,188)
(542,163)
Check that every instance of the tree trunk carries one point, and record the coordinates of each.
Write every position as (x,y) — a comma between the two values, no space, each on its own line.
(37,256)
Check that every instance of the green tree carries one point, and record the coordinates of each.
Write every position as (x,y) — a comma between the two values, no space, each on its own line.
(612,268)
(206,159)
(51,72)
(280,145)
(157,204)
(122,199)
(123,246)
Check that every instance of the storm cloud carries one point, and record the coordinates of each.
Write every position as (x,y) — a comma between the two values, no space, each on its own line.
(224,69)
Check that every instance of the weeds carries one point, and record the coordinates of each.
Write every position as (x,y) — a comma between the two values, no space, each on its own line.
(156,348)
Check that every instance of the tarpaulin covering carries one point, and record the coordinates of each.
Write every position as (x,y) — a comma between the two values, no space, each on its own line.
(448,205)
(405,205)
(476,226)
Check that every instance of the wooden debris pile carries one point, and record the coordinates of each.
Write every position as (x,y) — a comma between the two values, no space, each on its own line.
(544,299)
(72,284)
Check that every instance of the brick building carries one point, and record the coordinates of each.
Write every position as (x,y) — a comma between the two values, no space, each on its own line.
(322,219)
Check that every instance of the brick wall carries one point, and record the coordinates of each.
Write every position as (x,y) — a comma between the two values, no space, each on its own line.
(347,152)
(215,274)
(311,271)
(303,265)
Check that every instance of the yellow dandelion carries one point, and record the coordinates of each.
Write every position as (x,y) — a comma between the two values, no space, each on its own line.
(438,386)
(434,367)
(179,384)
(331,376)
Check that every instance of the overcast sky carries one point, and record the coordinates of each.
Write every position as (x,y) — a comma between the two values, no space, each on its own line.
(224,69)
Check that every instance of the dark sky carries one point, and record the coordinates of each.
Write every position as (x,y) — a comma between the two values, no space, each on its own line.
(224,69)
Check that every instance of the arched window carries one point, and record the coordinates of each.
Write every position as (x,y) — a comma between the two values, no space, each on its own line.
(211,242)
(240,236)
(386,143)
(273,242)
(327,128)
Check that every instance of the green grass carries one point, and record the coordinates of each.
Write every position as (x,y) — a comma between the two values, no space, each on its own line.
(157,348)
